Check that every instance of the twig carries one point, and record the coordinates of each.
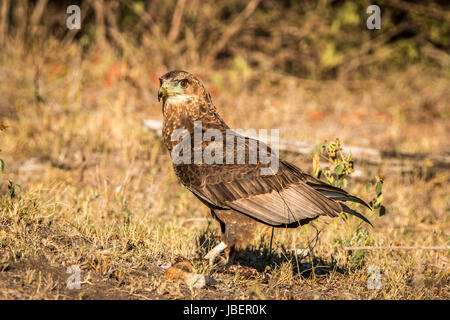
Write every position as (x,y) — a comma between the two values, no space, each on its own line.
(194,220)
(100,19)
(176,21)
(4,20)
(442,57)
(397,248)
(233,28)
(271,239)
(37,14)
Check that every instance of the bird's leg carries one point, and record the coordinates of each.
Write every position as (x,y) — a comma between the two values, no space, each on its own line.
(214,252)
(230,253)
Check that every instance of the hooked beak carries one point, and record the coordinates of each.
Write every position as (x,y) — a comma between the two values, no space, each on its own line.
(161,93)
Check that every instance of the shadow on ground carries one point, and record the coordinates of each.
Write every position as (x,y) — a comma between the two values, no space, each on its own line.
(261,258)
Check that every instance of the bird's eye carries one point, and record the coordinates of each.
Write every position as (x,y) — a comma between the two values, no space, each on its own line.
(183,83)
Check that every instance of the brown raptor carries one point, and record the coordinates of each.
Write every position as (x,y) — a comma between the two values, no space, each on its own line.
(234,187)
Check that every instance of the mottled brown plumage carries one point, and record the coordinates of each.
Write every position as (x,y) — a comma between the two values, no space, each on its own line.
(238,194)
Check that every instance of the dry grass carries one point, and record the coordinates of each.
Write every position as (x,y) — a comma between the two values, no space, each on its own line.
(98,190)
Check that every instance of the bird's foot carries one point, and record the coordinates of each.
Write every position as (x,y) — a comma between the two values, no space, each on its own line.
(212,255)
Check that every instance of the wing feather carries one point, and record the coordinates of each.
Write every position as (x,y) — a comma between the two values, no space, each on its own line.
(285,198)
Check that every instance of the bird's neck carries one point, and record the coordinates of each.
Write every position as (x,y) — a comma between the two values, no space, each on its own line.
(188,113)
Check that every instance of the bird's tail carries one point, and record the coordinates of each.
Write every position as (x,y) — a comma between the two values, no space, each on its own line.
(338,194)
(355,213)
(333,193)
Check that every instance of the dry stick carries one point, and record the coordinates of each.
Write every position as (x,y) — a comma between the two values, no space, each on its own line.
(176,21)
(397,248)
(21,19)
(398,162)
(37,14)
(271,239)
(233,28)
(4,22)
(442,57)
(100,19)
(298,147)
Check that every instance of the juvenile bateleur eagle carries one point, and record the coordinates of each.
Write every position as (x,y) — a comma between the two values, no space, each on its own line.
(237,192)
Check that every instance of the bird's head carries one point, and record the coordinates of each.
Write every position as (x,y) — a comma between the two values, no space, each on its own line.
(179,85)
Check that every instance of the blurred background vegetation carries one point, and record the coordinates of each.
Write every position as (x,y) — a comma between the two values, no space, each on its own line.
(317,58)
(313,39)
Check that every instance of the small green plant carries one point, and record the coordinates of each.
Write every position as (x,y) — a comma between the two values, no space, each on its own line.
(13,188)
(376,202)
(340,166)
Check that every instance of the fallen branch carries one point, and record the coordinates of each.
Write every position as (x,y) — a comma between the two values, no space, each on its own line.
(298,147)
(393,162)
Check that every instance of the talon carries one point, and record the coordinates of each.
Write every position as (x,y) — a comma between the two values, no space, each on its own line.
(230,262)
